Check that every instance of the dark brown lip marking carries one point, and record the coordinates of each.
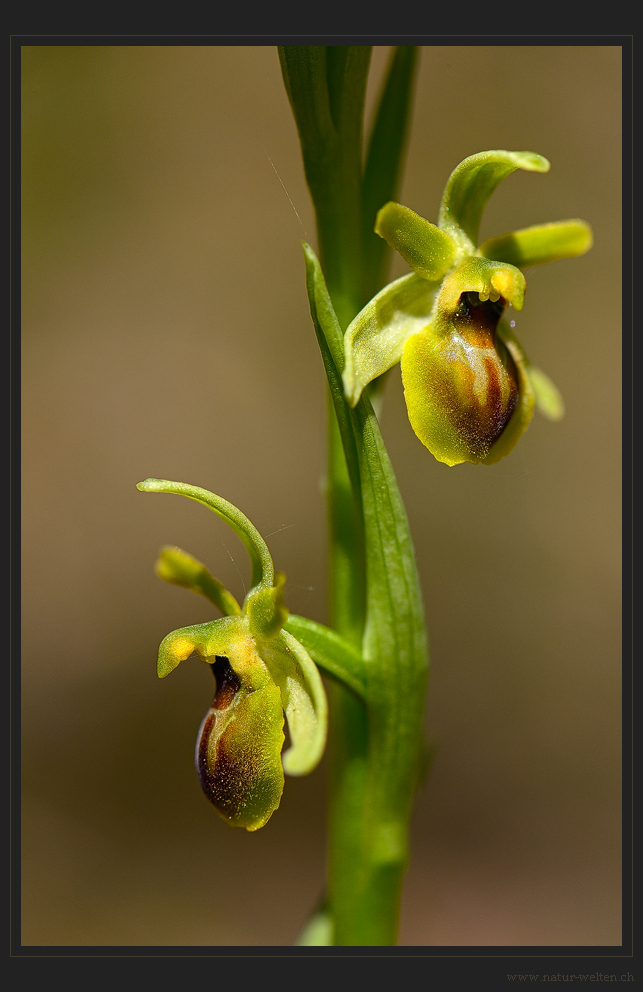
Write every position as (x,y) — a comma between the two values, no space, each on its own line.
(227,681)
(226,784)
(476,321)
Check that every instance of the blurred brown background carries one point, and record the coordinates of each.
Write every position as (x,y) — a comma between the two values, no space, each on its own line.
(166,333)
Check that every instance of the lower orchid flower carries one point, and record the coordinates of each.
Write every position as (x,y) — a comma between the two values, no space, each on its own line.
(469,387)
(261,672)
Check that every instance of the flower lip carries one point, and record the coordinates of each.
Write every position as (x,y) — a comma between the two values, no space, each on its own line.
(461,383)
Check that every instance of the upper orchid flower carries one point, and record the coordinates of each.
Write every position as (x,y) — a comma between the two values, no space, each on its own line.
(470,390)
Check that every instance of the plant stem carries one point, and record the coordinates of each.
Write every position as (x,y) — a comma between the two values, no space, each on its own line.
(372,754)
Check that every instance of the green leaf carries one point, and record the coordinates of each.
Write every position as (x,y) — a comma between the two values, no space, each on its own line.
(375,339)
(429,251)
(263,571)
(327,87)
(331,344)
(541,243)
(304,72)
(471,184)
(384,157)
(395,647)
(346,72)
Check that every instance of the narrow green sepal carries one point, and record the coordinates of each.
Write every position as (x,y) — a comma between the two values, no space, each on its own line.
(263,571)
(541,243)
(429,251)
(182,569)
(471,184)
(375,339)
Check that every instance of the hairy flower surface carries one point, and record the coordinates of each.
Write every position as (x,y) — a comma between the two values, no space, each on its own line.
(469,388)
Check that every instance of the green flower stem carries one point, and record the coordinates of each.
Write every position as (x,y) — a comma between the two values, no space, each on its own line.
(381,745)
(373,748)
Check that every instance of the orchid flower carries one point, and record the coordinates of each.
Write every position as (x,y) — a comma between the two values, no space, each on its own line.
(261,672)
(470,390)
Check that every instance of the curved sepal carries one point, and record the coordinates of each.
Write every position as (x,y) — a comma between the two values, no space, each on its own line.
(375,339)
(540,243)
(429,251)
(471,184)
(263,571)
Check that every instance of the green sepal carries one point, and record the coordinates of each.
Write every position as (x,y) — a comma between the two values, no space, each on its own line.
(375,339)
(429,251)
(263,571)
(540,243)
(549,401)
(471,184)
(182,569)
